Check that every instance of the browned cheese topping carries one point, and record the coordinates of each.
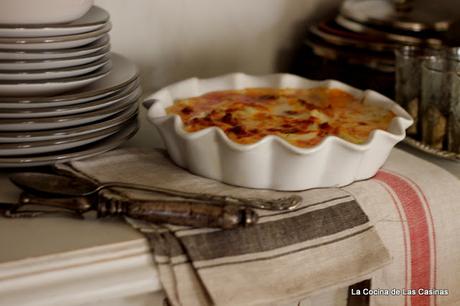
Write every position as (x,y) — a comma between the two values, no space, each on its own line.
(303,117)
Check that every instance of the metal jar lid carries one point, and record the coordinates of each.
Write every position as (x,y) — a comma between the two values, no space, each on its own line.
(400,37)
(328,31)
(381,61)
(409,15)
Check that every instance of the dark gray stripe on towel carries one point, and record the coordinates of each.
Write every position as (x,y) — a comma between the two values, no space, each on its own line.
(281,254)
(276,234)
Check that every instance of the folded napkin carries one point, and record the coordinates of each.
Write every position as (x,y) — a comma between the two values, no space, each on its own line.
(326,242)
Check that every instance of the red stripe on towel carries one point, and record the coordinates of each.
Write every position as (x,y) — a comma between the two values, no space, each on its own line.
(406,248)
(417,223)
(433,232)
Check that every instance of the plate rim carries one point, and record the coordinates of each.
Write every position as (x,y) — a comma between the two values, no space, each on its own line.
(103,60)
(80,116)
(101,42)
(102,50)
(72,24)
(125,92)
(95,148)
(105,69)
(115,119)
(54,39)
(80,95)
(46,143)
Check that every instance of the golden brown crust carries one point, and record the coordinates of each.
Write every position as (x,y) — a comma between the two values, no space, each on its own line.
(303,117)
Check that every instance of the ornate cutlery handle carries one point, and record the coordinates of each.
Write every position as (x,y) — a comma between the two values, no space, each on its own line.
(178,212)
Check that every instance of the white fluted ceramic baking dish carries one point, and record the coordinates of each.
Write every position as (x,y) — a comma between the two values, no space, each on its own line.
(272,162)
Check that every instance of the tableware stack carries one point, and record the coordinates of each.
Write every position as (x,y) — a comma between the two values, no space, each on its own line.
(63,94)
(357,45)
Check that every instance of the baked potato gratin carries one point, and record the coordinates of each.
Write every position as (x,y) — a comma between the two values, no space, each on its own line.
(303,117)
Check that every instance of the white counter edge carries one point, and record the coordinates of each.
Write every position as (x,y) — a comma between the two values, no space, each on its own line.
(79,277)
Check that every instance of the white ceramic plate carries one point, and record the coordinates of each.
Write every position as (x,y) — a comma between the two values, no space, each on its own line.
(47,146)
(130,92)
(55,134)
(51,87)
(47,123)
(43,11)
(52,74)
(53,63)
(95,19)
(89,150)
(272,162)
(19,55)
(53,42)
(123,73)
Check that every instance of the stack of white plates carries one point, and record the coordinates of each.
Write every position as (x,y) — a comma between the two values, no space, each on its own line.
(63,94)
(48,59)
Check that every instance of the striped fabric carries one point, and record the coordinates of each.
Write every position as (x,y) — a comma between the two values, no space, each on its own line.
(411,206)
(415,207)
(313,247)
(418,237)
(326,242)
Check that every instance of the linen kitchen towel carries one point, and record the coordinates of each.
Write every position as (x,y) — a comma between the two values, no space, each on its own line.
(326,242)
(415,207)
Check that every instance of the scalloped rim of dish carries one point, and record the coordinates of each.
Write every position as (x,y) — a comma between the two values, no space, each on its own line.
(400,122)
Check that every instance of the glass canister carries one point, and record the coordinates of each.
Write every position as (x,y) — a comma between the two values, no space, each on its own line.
(436,86)
(453,133)
(428,87)
(440,100)
(409,61)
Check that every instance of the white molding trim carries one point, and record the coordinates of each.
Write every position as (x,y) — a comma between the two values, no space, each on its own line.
(80,277)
